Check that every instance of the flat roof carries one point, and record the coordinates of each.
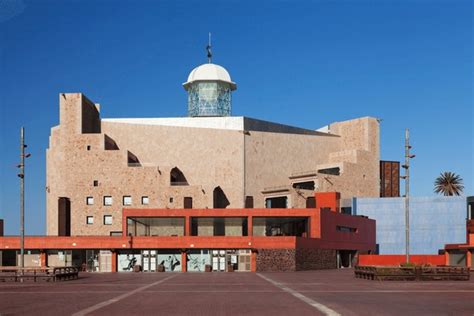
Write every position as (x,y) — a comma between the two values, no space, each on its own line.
(237,123)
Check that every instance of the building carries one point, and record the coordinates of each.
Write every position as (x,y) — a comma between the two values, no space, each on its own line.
(434,222)
(178,194)
(96,167)
(227,240)
(462,253)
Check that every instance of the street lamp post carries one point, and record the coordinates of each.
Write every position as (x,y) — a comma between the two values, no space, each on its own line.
(21,175)
(406,166)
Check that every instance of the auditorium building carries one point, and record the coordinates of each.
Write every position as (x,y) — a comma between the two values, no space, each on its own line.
(208,190)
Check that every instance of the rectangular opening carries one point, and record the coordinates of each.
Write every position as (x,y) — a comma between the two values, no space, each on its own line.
(188,202)
(96,183)
(305,185)
(145,200)
(127,200)
(89,200)
(64,216)
(155,226)
(107,219)
(335,171)
(249,202)
(107,200)
(276,202)
(346,229)
(90,220)
(280,226)
(219,226)
(310,202)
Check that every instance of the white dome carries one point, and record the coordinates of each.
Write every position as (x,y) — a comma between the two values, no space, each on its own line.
(210,72)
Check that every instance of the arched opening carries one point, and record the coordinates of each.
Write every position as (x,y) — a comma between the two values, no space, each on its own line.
(220,199)
(177,177)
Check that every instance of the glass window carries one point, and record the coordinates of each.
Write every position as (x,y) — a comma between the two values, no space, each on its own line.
(127,200)
(89,200)
(145,200)
(90,220)
(107,219)
(107,200)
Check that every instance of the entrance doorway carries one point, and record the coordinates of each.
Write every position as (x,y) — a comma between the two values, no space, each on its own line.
(346,258)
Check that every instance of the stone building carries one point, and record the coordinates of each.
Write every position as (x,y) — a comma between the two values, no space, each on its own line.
(98,166)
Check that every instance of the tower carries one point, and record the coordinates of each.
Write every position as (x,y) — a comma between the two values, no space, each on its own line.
(209,88)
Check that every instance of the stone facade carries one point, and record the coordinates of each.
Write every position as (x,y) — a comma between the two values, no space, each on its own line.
(92,157)
(296,259)
(315,259)
(276,260)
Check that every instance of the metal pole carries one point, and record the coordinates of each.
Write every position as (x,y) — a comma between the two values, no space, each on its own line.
(407,195)
(22,199)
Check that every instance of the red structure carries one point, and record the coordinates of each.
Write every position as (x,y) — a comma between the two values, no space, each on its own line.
(462,254)
(269,240)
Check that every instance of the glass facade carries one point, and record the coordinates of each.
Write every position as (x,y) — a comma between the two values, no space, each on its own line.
(209,99)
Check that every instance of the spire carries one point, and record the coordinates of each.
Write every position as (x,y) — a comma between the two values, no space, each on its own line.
(208,48)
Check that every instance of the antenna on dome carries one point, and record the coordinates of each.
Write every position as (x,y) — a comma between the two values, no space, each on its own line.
(208,48)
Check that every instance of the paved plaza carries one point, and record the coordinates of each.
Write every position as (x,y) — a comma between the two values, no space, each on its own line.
(326,292)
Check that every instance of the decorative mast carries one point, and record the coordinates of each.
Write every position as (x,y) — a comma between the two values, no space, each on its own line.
(208,48)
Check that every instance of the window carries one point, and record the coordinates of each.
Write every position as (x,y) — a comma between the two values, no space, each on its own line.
(306,185)
(96,183)
(346,229)
(88,147)
(332,171)
(171,200)
(188,202)
(277,202)
(145,200)
(107,219)
(90,220)
(127,200)
(89,200)
(107,200)
(249,202)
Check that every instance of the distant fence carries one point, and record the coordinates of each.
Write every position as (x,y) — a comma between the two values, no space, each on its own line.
(395,260)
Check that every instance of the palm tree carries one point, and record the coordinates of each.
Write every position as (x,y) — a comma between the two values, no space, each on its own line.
(449,184)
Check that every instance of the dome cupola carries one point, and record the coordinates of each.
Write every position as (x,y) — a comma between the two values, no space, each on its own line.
(209,88)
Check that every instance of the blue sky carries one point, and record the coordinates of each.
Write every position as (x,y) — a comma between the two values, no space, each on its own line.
(295,62)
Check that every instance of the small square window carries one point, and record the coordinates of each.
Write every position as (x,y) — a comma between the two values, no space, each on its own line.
(145,200)
(107,200)
(96,183)
(171,200)
(107,219)
(127,200)
(90,220)
(88,147)
(89,200)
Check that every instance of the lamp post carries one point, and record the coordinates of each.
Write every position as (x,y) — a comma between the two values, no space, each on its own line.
(21,175)
(406,166)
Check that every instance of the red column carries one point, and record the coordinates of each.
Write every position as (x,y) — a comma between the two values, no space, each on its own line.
(184,261)
(114,261)
(314,227)
(253,262)
(187,226)
(469,259)
(446,256)
(44,258)
(250,225)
